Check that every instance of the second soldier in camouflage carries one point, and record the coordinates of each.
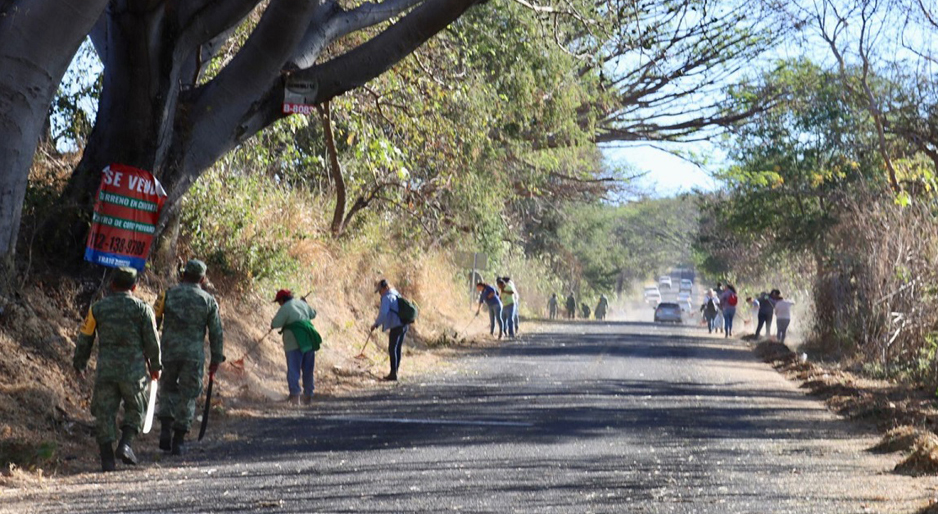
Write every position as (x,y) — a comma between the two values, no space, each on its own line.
(186,313)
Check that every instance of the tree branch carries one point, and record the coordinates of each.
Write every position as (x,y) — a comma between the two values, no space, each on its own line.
(357,67)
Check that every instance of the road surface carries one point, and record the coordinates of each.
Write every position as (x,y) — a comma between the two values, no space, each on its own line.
(584,417)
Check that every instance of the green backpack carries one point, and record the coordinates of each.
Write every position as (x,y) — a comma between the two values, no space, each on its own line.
(406,310)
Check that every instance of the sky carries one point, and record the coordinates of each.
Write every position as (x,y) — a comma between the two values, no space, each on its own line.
(667,174)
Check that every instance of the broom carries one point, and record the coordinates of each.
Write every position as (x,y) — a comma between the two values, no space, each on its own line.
(361,354)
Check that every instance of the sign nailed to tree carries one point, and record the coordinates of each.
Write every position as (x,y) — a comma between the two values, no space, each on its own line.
(299,95)
(125,216)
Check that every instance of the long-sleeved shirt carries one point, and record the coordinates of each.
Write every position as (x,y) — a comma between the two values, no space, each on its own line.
(127,340)
(290,312)
(186,313)
(490,296)
(783,309)
(387,313)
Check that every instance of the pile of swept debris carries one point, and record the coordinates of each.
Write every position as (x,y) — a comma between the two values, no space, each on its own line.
(906,416)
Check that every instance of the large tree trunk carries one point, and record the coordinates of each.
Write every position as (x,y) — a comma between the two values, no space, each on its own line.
(38,39)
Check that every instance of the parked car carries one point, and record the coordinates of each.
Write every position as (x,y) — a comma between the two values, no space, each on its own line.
(664,280)
(652,295)
(686,285)
(668,311)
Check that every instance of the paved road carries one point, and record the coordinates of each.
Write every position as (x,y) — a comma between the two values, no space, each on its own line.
(589,417)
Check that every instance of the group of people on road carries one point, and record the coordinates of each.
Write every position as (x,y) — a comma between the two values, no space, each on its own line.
(602,307)
(769,305)
(132,353)
(502,303)
(719,311)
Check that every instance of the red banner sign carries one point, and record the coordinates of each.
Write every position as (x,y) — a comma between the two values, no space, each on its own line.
(125,217)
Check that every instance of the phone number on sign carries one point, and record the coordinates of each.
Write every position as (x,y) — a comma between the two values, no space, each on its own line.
(298,109)
(119,245)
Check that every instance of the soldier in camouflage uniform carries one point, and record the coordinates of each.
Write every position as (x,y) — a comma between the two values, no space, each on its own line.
(128,346)
(185,313)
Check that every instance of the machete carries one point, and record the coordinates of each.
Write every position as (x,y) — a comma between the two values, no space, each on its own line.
(208,404)
(151,406)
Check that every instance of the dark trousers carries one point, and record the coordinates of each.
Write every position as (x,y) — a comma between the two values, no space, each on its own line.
(764,318)
(395,345)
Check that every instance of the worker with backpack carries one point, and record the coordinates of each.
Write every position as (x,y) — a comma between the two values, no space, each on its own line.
(710,308)
(395,315)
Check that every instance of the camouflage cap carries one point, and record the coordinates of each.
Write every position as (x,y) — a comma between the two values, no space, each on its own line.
(195,268)
(124,278)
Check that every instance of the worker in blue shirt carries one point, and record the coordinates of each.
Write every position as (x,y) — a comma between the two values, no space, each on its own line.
(489,296)
(388,319)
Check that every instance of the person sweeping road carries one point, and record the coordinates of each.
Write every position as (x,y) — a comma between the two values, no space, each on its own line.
(389,319)
(300,343)
(488,295)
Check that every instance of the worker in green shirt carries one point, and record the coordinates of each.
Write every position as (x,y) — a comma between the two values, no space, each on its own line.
(300,342)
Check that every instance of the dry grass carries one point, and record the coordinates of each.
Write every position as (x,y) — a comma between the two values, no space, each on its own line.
(923,459)
(900,439)
(877,296)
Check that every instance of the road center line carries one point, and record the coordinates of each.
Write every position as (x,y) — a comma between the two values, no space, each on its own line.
(351,419)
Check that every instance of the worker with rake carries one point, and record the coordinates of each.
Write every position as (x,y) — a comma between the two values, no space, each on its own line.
(300,343)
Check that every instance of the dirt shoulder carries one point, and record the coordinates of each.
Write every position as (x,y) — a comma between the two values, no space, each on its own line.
(905,416)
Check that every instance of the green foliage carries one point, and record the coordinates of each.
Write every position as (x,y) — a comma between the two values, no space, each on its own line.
(224,223)
(600,247)
(71,116)
(796,161)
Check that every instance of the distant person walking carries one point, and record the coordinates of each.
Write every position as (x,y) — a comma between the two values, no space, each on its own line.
(186,312)
(782,316)
(489,296)
(128,355)
(709,309)
(728,303)
(719,321)
(389,319)
(552,306)
(766,309)
(300,342)
(508,306)
(571,306)
(601,307)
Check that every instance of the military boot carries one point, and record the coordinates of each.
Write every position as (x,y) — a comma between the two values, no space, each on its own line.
(178,442)
(166,435)
(124,451)
(107,458)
